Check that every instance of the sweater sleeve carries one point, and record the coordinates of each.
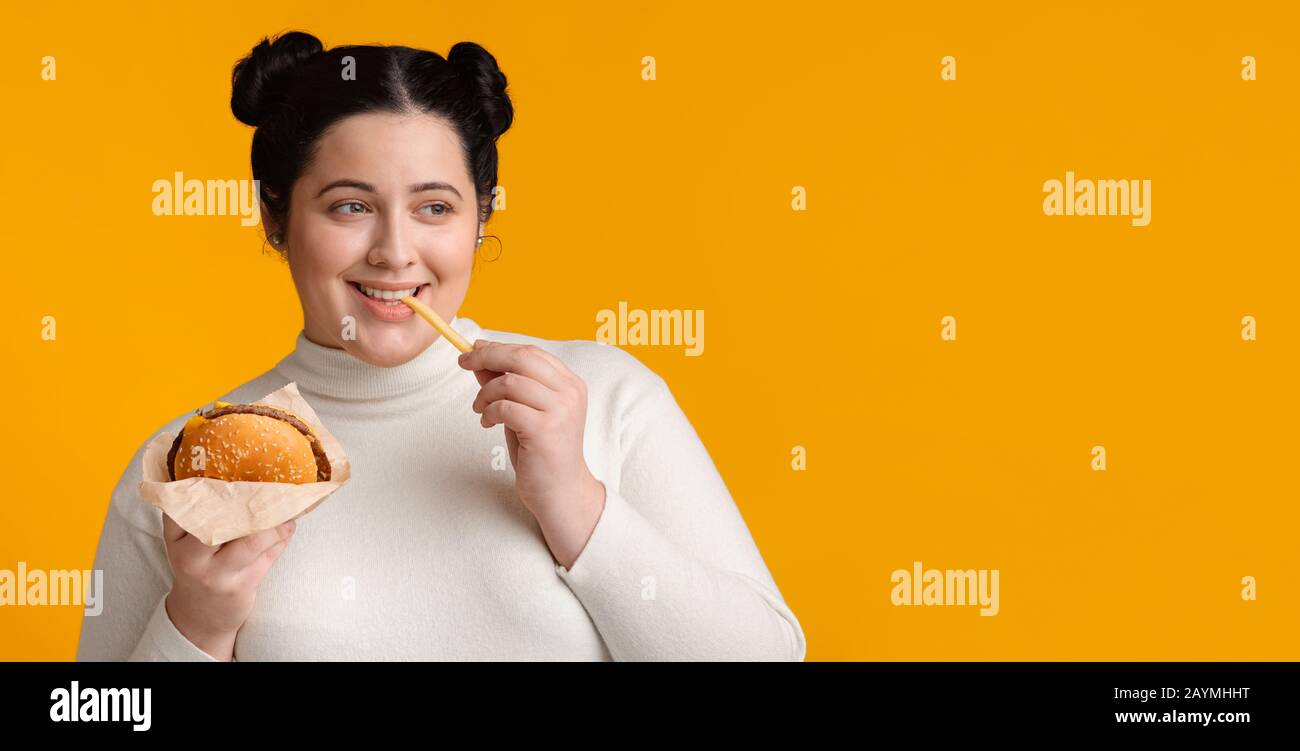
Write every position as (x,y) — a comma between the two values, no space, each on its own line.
(133,624)
(670,571)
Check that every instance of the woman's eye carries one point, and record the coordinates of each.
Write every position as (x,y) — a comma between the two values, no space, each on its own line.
(361,207)
(445,209)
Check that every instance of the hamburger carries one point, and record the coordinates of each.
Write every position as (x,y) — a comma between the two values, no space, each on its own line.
(249,443)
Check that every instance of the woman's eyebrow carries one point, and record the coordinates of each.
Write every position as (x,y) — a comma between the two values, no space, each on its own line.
(417,188)
(436,185)
(345,183)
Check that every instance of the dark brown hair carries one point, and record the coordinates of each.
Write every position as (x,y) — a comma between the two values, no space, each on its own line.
(293,89)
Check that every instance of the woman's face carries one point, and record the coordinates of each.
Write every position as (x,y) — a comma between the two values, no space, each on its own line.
(387,204)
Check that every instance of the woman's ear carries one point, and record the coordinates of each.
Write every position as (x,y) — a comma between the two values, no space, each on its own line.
(274,235)
(268,224)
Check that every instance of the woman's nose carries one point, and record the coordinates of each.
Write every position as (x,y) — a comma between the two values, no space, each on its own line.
(390,247)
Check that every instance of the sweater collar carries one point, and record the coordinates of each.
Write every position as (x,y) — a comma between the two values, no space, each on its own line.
(333,372)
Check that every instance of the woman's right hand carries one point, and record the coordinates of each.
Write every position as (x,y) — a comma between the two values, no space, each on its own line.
(214,587)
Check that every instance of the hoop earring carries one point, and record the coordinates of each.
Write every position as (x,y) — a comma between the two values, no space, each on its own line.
(479,244)
(278,252)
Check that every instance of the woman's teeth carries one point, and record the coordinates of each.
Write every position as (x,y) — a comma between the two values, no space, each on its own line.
(388,296)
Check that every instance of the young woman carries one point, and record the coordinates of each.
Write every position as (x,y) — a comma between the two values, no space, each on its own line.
(608,533)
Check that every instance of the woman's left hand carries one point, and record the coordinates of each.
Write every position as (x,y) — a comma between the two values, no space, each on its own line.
(543,407)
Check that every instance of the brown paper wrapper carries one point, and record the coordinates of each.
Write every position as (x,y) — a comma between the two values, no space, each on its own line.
(216,511)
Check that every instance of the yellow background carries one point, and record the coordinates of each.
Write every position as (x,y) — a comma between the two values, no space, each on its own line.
(822,327)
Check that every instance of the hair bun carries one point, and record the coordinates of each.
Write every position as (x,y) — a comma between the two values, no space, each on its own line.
(486,83)
(258,80)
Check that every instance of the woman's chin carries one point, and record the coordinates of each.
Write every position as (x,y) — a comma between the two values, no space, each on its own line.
(387,349)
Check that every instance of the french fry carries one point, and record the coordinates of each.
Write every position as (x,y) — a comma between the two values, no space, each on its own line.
(436,321)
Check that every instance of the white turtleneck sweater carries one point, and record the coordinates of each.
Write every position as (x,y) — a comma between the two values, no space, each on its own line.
(427,553)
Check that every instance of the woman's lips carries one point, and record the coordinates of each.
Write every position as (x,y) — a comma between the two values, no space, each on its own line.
(398,311)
